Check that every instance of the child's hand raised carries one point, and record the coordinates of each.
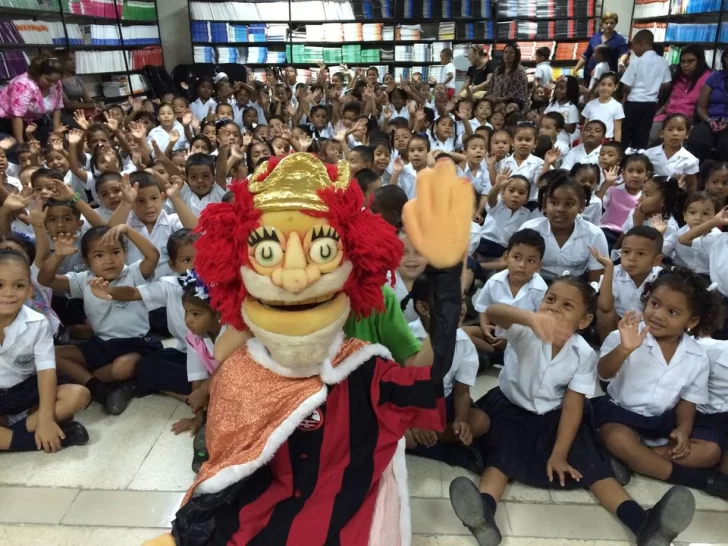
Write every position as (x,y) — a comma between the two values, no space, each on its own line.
(16,202)
(722,217)
(491,160)
(114,234)
(603,260)
(552,156)
(548,328)
(503,177)
(611,175)
(111,123)
(64,244)
(31,128)
(174,187)
(63,191)
(137,130)
(397,166)
(631,336)
(187,118)
(247,139)
(100,288)
(174,136)
(35,147)
(305,142)
(128,192)
(75,137)
(37,214)
(658,222)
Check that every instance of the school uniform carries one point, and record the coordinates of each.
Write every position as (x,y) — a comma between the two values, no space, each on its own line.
(668,238)
(544,74)
(119,327)
(400,290)
(474,124)
(575,256)
(568,110)
(593,211)
(161,137)
(714,245)
(408,181)
(474,239)
(578,154)
(711,419)
(200,357)
(681,163)
(691,257)
(26,350)
(599,69)
(70,311)
(498,227)
(645,391)
(450,145)
(479,179)
(200,110)
(525,410)
(606,112)
(165,226)
(531,168)
(196,203)
(628,296)
(497,290)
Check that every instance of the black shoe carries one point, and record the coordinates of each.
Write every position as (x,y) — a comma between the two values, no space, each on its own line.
(717,484)
(200,450)
(622,474)
(76,434)
(472,511)
(118,400)
(668,518)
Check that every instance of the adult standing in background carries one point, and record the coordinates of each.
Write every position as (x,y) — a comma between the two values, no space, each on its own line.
(75,96)
(35,96)
(618,47)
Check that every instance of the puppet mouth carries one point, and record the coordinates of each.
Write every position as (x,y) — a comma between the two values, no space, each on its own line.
(304,305)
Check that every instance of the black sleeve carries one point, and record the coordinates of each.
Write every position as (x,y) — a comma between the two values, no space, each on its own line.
(445,306)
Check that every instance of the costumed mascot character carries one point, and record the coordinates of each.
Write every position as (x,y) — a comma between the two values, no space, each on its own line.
(304,426)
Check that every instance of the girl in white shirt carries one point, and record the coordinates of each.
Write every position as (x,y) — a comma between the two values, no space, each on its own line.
(587,174)
(606,108)
(657,375)
(444,135)
(699,208)
(205,105)
(671,158)
(541,428)
(411,266)
(711,419)
(162,134)
(566,102)
(523,161)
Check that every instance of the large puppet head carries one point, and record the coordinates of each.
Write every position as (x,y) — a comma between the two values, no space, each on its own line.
(294,255)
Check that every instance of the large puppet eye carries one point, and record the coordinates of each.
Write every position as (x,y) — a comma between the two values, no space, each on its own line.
(268,253)
(323,250)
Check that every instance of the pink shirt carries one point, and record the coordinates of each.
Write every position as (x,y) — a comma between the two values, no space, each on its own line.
(618,203)
(22,98)
(683,99)
(207,360)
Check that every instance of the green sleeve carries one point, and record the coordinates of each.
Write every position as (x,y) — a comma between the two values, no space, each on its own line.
(393,331)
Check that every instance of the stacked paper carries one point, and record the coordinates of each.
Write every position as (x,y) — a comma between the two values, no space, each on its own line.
(387,34)
(227,55)
(31,32)
(75,34)
(102,35)
(115,89)
(140,58)
(140,35)
(256,55)
(95,8)
(89,62)
(257,33)
(204,54)
(658,29)
(333,32)
(683,7)
(237,33)
(275,57)
(691,32)
(218,33)
(49,5)
(404,53)
(239,11)
(645,9)
(408,32)
(446,31)
(370,56)
(333,55)
(421,53)
(277,33)
(372,32)
(353,32)
(200,31)
(351,54)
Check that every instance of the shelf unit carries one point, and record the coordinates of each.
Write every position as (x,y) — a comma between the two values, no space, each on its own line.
(224,31)
(677,23)
(69,20)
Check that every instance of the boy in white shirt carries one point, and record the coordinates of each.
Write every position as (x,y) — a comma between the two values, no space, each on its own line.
(601,54)
(448,72)
(544,75)
(646,74)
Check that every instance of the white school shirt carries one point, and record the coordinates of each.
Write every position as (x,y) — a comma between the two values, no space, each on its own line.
(717,351)
(649,386)
(474,239)
(715,246)
(689,256)
(15,182)
(645,75)
(501,222)
(451,144)
(533,380)
(480,180)
(627,296)
(575,256)
(167,292)
(407,181)
(27,349)
(400,290)
(544,73)
(578,154)
(402,113)
(593,211)
(112,319)
(165,226)
(599,70)
(464,361)
(448,69)
(105,213)
(196,203)
(682,162)
(162,138)
(200,110)
(568,110)
(196,370)
(608,113)
(530,168)
(668,238)
(497,290)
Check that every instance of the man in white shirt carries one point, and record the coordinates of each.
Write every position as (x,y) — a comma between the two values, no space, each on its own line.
(646,74)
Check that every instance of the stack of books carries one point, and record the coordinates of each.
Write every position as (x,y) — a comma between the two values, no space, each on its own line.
(240,11)
(12,63)
(695,6)
(76,34)
(138,10)
(659,30)
(24,31)
(140,35)
(44,5)
(370,56)
(691,32)
(103,9)
(204,54)
(106,35)
(354,32)
(644,9)
(351,54)
(227,55)
(90,62)
(143,57)
(446,31)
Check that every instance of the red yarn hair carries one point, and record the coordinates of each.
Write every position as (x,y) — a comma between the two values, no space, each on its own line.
(370,244)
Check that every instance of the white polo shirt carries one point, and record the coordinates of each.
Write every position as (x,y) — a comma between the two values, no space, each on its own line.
(196,203)
(593,211)
(544,73)
(682,162)
(568,110)
(647,385)
(497,290)
(534,381)
(690,256)
(27,349)
(578,154)
(645,75)
(480,179)
(627,296)
(400,290)
(162,138)
(201,110)
(451,144)
(464,362)
(607,113)
(167,292)
(474,239)
(407,181)
(165,226)
(669,239)
(501,222)
(715,246)
(575,256)
(112,319)
(530,168)
(717,351)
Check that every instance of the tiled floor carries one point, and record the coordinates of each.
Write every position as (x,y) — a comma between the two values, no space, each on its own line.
(126,484)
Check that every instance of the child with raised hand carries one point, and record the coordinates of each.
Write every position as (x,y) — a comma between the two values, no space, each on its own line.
(569,237)
(417,150)
(411,266)
(671,158)
(700,207)
(623,285)
(591,145)
(605,108)
(170,134)
(464,423)
(540,433)
(523,161)
(657,375)
(120,331)
(587,174)
(28,374)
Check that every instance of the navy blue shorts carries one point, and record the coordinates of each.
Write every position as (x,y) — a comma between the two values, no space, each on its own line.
(163,371)
(20,398)
(489,251)
(99,353)
(712,427)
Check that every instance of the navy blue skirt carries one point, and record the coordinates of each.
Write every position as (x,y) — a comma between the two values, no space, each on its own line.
(520,443)
(711,427)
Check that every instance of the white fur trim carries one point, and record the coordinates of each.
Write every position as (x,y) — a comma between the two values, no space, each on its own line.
(400,477)
(261,287)
(332,376)
(233,474)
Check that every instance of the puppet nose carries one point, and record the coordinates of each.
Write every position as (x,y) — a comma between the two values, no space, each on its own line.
(292,276)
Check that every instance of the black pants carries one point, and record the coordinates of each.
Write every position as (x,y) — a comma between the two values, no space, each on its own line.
(702,140)
(637,123)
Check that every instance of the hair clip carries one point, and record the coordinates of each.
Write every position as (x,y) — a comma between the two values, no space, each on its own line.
(566,273)
(189,280)
(713,287)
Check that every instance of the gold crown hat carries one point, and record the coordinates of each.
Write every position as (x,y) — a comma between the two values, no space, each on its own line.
(294,183)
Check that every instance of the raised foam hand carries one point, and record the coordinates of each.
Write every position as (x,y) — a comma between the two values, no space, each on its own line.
(437,221)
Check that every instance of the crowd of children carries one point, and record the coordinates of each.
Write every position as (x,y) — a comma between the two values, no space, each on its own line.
(590,259)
